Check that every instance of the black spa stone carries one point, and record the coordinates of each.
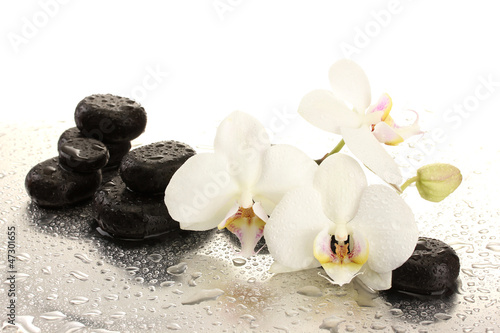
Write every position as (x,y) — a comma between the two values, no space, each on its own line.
(110,118)
(432,269)
(129,215)
(148,169)
(50,185)
(116,149)
(83,155)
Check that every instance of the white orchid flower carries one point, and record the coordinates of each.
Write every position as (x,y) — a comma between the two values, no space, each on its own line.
(346,111)
(342,224)
(238,185)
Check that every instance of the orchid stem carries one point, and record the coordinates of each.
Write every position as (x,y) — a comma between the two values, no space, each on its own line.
(335,150)
(408,182)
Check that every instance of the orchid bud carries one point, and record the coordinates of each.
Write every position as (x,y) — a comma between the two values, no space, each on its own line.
(436,181)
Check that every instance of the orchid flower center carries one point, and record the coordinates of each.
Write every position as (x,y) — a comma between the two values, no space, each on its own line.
(247,226)
(342,254)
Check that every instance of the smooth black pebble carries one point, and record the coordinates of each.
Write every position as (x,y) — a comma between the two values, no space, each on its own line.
(432,269)
(116,149)
(129,215)
(83,155)
(110,118)
(50,185)
(148,169)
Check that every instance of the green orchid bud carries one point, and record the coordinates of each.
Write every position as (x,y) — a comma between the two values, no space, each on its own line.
(436,181)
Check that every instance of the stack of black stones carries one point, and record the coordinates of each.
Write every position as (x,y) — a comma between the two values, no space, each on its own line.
(130,205)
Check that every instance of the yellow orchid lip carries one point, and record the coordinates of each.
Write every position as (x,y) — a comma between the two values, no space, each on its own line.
(342,258)
(247,226)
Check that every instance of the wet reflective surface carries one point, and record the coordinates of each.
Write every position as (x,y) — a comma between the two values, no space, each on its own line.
(70,278)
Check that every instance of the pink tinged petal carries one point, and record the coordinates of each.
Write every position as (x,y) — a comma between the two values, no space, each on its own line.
(292,227)
(284,167)
(242,139)
(386,134)
(384,104)
(248,227)
(201,192)
(369,151)
(341,260)
(349,82)
(389,225)
(322,109)
(341,181)
(374,280)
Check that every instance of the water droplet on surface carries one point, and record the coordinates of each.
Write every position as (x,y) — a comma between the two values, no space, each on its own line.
(79,300)
(493,246)
(310,291)
(79,275)
(84,258)
(53,316)
(178,269)
(25,257)
(239,261)
(203,295)
(331,323)
(442,316)
(155,257)
(111,297)
(174,327)
(47,270)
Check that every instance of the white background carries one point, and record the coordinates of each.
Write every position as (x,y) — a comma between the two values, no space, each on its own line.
(213,57)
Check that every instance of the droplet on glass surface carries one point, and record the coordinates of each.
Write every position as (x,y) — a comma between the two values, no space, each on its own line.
(83,257)
(53,316)
(178,269)
(203,295)
(79,300)
(79,275)
(310,291)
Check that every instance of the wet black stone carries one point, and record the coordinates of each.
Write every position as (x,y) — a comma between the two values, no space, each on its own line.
(110,118)
(432,269)
(130,215)
(83,155)
(149,168)
(116,149)
(50,185)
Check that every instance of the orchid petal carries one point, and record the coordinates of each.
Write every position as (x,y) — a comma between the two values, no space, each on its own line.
(341,181)
(349,82)
(386,134)
(366,147)
(242,139)
(389,225)
(322,109)
(384,104)
(284,167)
(201,192)
(293,226)
(374,280)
